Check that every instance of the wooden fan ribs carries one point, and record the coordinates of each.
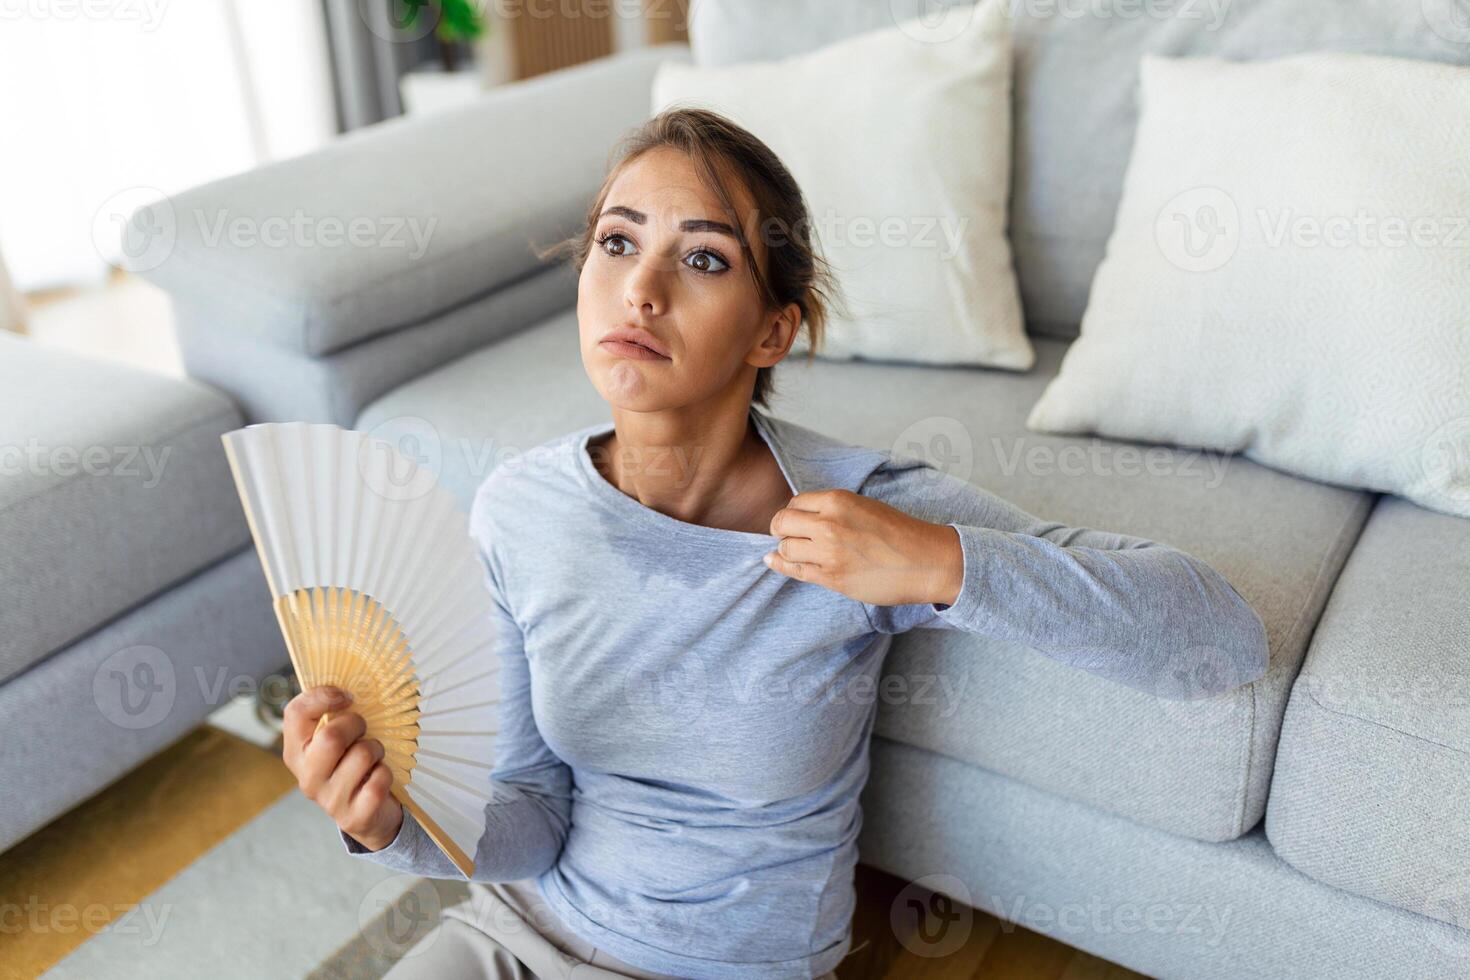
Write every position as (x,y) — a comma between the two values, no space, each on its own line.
(348,640)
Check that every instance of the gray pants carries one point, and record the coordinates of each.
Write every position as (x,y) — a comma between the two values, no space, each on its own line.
(507,932)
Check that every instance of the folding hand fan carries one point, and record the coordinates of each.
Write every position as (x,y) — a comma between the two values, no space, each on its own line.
(379,590)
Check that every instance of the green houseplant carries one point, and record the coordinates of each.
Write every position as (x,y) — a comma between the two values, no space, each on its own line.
(456,21)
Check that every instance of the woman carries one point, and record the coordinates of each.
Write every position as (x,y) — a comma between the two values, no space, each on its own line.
(695,601)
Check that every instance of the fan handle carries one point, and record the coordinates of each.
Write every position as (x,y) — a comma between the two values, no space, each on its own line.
(453,851)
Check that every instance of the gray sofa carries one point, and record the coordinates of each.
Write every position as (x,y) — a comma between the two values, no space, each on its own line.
(1313,824)
(133,602)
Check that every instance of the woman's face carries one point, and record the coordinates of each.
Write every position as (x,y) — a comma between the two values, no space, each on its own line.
(664,259)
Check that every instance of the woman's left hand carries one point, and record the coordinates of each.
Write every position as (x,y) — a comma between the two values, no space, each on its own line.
(866,550)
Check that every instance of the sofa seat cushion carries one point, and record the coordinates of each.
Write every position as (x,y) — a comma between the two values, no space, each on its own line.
(1198,768)
(1372,786)
(113,486)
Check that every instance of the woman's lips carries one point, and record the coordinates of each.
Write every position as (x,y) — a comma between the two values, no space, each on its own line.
(621,348)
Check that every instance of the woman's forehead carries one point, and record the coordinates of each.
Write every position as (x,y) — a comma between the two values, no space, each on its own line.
(666,185)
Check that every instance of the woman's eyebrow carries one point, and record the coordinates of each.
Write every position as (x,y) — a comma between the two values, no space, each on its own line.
(689,224)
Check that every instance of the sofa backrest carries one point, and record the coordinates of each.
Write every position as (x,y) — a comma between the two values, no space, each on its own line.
(1075,92)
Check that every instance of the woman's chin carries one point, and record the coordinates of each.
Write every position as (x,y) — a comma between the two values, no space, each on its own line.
(626,384)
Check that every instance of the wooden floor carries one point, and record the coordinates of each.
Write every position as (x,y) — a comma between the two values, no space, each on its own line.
(945,941)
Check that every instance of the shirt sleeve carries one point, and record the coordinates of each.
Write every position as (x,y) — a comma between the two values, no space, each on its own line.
(529,813)
(1131,610)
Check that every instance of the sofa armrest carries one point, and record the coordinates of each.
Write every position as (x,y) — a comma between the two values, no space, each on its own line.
(399,222)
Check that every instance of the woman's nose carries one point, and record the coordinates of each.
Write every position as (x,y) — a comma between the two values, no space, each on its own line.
(647,286)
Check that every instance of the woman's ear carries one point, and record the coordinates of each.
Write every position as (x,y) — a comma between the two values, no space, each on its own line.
(776,339)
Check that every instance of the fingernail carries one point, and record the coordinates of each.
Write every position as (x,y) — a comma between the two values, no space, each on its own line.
(336,695)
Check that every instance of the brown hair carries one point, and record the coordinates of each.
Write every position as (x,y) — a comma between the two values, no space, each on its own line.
(795,272)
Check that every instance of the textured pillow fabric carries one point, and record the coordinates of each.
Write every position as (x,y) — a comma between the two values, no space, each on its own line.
(1289,274)
(900,141)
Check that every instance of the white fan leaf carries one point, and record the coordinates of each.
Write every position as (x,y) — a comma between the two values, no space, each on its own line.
(380,589)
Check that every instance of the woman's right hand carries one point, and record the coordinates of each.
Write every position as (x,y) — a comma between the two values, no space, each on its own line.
(339,770)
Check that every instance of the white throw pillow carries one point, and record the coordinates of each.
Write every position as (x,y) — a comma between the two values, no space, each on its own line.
(900,140)
(1289,274)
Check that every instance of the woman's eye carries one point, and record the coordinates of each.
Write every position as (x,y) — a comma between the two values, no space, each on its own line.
(606,241)
(706,261)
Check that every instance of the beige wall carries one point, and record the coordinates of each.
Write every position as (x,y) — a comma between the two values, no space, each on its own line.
(668,20)
(525,45)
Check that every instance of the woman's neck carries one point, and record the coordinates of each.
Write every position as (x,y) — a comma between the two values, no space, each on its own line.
(700,467)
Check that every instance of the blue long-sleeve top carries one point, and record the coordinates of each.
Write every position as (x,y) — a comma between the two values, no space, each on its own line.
(684,731)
